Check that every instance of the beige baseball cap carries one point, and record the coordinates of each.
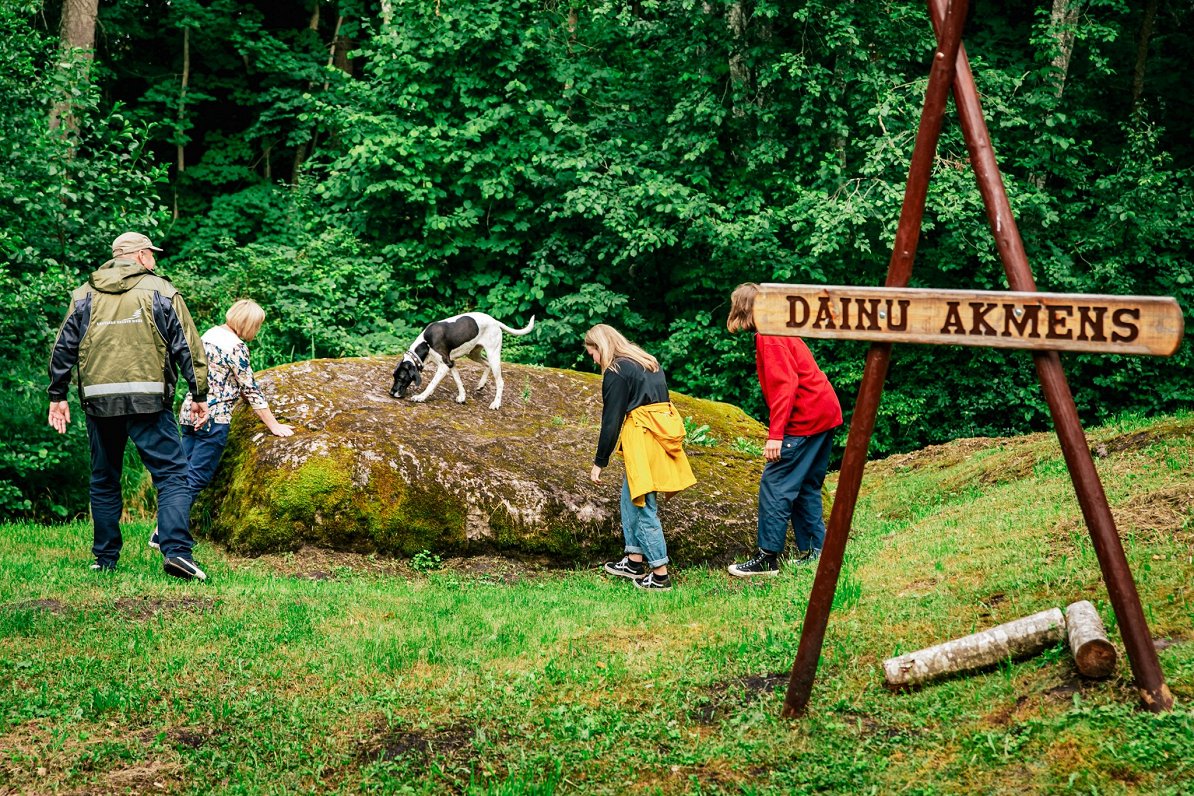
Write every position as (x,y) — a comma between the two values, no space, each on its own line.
(131,242)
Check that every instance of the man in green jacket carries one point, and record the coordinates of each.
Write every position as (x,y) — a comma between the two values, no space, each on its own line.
(128,333)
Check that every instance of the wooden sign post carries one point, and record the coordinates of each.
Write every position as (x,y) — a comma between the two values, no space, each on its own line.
(1022,318)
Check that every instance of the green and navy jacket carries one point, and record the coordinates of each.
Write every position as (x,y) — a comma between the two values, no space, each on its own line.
(129,333)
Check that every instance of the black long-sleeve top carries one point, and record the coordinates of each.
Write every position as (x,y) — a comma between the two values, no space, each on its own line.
(626,386)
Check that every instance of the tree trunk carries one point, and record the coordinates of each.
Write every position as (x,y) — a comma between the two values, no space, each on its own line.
(1022,638)
(736,18)
(337,56)
(77,33)
(1063,22)
(182,104)
(342,46)
(300,151)
(1142,42)
(1094,654)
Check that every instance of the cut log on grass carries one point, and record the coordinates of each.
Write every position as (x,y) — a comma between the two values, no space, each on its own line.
(1094,654)
(1022,638)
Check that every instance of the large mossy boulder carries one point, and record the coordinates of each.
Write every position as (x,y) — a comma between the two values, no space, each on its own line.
(366,472)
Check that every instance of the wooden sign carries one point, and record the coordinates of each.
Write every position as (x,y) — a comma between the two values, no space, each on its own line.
(1051,321)
(1022,319)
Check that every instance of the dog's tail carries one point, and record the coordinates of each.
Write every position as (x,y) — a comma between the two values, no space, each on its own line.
(516,332)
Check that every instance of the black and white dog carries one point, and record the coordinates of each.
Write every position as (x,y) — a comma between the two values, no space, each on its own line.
(445,341)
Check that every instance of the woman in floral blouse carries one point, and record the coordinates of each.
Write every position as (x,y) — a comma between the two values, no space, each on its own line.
(229,379)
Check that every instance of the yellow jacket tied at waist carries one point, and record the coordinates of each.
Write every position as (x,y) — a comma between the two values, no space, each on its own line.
(652,445)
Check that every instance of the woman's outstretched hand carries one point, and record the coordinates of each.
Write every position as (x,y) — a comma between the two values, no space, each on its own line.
(595,474)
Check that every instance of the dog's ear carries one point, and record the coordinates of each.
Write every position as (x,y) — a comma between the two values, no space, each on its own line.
(418,378)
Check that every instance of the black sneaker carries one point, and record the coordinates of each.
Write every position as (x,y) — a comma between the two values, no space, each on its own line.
(103,566)
(153,539)
(653,581)
(762,564)
(184,568)
(626,568)
(807,557)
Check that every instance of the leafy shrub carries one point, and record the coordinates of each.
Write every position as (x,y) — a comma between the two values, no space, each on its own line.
(747,446)
(425,561)
(324,294)
(64,196)
(695,434)
(43,475)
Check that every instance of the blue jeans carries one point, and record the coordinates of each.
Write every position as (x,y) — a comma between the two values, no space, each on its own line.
(156,438)
(203,447)
(790,491)
(641,528)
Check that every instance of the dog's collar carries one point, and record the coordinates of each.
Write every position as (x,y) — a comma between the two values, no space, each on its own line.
(413,357)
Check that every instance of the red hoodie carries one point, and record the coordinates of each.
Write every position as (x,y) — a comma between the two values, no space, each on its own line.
(799,397)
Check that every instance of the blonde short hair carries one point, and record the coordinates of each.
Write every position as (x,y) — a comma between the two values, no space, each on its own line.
(742,307)
(244,318)
(611,344)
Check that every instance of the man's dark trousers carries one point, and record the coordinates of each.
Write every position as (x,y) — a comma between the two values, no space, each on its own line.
(156,438)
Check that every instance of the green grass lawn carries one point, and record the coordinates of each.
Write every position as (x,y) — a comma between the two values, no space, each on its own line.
(343,673)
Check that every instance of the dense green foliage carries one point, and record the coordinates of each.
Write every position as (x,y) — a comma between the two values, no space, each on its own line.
(596,161)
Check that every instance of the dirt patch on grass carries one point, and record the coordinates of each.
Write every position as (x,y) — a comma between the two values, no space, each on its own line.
(453,742)
(763,683)
(1138,440)
(724,775)
(1000,468)
(188,737)
(1165,643)
(920,587)
(1163,515)
(1063,692)
(498,569)
(724,697)
(1071,683)
(40,759)
(870,726)
(150,777)
(142,608)
(316,563)
(939,457)
(319,564)
(37,606)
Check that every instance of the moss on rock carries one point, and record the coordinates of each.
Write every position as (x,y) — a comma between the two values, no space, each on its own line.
(365,472)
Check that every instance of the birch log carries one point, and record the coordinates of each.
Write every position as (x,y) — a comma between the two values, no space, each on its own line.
(1019,639)
(1094,654)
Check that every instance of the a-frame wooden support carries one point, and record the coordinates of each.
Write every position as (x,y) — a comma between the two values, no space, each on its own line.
(951,69)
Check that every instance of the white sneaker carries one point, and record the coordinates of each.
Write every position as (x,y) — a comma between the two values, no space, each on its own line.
(153,539)
(184,568)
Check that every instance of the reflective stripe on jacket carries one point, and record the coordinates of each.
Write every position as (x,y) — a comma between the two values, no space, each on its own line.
(652,445)
(128,332)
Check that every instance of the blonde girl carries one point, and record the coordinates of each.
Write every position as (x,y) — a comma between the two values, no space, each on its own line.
(638,419)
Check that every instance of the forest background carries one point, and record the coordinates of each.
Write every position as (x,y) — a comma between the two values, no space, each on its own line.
(362,168)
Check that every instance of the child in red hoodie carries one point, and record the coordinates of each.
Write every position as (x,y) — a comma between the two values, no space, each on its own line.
(803,411)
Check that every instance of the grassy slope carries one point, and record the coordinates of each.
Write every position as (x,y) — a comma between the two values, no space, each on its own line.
(366,679)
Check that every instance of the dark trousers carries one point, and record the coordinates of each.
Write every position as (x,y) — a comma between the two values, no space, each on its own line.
(790,492)
(156,439)
(203,448)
